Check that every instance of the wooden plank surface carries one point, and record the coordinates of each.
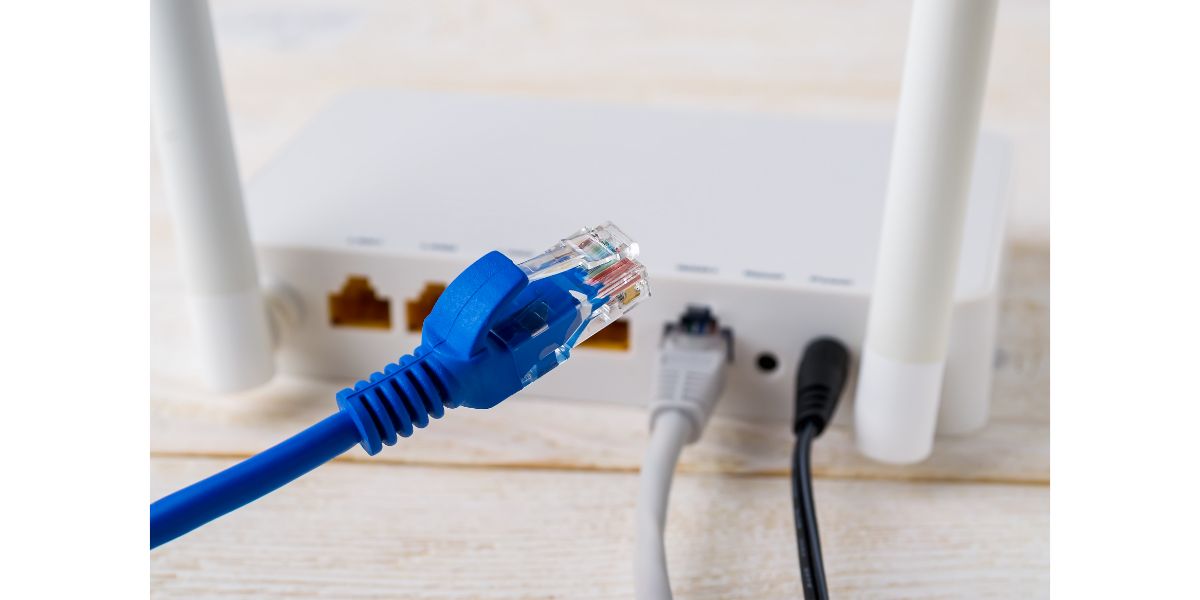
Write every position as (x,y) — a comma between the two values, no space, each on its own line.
(390,531)
(534,499)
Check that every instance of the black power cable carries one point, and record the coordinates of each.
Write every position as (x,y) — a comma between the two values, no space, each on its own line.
(808,540)
(819,383)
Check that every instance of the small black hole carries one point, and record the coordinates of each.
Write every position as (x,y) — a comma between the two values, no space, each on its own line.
(766,362)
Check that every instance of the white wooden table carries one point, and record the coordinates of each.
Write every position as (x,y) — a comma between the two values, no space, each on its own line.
(534,499)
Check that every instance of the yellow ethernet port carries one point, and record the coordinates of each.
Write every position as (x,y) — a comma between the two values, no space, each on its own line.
(614,337)
(358,305)
(418,308)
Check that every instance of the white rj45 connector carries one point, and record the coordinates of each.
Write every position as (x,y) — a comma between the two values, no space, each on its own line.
(691,377)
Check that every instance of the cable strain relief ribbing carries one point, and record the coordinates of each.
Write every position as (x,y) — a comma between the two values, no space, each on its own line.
(691,376)
(695,415)
(819,383)
(403,396)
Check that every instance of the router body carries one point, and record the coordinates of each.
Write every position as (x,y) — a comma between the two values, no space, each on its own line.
(772,222)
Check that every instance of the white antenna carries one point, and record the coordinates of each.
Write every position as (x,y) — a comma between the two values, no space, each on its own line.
(205,195)
(904,353)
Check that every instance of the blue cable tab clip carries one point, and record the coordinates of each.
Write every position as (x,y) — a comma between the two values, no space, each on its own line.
(498,327)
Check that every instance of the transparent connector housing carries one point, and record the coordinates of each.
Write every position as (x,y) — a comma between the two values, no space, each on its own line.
(607,259)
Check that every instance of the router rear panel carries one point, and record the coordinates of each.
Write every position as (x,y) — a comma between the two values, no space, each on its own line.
(717,201)
(314,348)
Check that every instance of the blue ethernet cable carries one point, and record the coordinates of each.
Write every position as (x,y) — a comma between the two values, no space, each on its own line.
(497,328)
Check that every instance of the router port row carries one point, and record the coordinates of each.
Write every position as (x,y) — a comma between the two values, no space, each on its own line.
(357,304)
(614,337)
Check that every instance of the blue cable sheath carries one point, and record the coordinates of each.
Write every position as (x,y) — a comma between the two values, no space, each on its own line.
(251,479)
(492,332)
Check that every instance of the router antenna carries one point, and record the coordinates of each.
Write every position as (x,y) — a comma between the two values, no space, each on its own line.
(904,353)
(200,171)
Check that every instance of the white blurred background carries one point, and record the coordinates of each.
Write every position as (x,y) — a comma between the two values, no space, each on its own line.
(284,59)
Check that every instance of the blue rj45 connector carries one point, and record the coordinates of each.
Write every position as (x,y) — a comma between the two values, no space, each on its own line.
(498,327)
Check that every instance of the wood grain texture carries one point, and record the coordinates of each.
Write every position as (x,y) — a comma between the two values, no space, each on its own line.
(534,499)
(391,531)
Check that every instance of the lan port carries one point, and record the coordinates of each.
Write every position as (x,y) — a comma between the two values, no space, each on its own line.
(614,337)
(358,305)
(418,308)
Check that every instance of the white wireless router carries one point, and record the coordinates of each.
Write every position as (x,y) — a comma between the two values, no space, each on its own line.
(773,222)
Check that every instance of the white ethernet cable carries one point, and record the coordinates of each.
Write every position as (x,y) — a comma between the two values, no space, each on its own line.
(691,375)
